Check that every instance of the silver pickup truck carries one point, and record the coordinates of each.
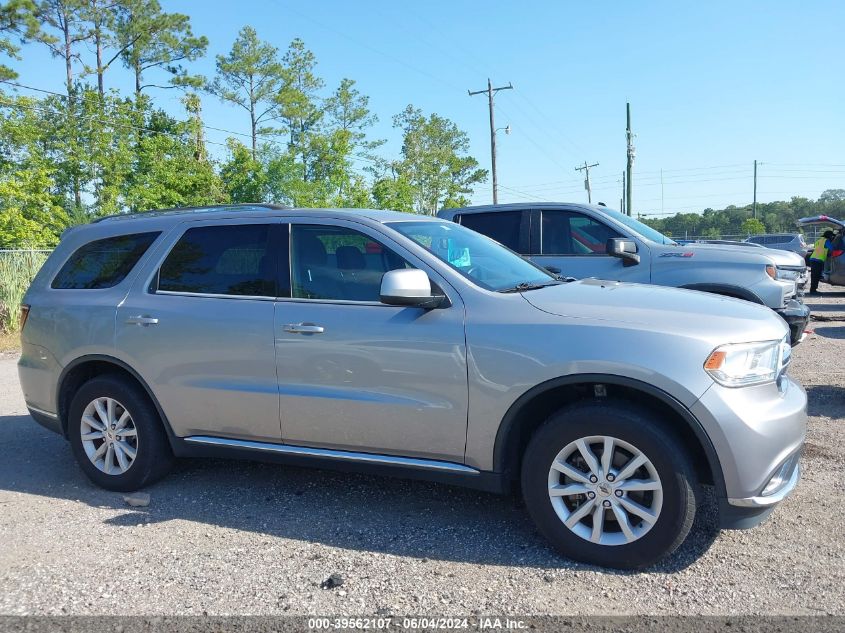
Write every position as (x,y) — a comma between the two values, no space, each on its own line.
(580,240)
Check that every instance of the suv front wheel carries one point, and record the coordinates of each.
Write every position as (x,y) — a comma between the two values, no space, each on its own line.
(116,434)
(608,485)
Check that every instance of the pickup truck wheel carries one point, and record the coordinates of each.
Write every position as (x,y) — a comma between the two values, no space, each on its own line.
(606,484)
(116,434)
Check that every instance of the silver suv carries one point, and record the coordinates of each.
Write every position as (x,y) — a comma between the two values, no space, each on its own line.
(581,240)
(793,242)
(374,340)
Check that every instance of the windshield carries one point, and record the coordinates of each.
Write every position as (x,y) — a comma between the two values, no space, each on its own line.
(478,258)
(643,229)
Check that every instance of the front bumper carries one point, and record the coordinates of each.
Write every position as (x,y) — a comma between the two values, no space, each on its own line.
(796,315)
(758,434)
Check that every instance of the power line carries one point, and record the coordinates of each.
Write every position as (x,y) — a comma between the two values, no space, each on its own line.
(125,126)
(522,193)
(270,138)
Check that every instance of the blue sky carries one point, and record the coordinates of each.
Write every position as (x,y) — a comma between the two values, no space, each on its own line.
(712,86)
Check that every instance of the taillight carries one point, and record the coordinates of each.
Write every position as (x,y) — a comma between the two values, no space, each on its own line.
(24,314)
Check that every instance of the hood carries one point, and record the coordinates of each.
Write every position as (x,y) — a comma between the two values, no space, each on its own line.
(778,256)
(657,308)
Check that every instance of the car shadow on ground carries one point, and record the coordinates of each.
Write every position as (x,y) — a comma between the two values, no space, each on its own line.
(358,512)
(827,307)
(830,331)
(826,401)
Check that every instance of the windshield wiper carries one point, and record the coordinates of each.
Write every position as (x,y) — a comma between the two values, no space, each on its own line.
(527,285)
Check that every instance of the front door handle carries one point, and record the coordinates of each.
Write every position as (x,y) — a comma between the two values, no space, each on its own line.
(303,328)
(142,320)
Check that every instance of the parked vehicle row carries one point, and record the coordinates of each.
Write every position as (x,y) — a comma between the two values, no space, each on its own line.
(792,242)
(414,346)
(790,265)
(584,241)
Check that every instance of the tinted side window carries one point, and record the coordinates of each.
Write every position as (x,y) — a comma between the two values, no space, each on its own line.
(333,262)
(103,263)
(569,233)
(223,260)
(502,227)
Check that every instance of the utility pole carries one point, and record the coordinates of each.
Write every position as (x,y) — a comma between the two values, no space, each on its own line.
(622,200)
(586,168)
(629,135)
(754,207)
(491,91)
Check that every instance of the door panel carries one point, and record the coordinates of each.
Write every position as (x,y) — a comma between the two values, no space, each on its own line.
(358,375)
(575,243)
(837,270)
(378,378)
(209,360)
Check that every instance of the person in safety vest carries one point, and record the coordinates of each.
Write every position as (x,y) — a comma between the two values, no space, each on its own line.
(818,257)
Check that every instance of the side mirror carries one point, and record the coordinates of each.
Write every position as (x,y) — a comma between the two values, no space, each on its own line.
(624,249)
(408,287)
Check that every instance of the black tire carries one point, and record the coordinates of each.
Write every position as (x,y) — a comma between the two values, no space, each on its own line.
(153,457)
(638,427)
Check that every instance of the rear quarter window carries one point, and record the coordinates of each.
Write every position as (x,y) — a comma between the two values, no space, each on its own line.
(236,260)
(502,226)
(103,263)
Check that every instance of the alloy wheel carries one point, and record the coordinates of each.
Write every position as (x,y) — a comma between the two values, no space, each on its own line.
(605,490)
(109,436)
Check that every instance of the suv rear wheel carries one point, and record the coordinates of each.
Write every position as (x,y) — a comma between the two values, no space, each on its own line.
(608,485)
(116,434)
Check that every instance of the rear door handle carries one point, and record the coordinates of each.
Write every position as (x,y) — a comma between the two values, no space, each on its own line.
(303,328)
(142,320)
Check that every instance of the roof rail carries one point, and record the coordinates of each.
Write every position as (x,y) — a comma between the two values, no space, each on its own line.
(180,210)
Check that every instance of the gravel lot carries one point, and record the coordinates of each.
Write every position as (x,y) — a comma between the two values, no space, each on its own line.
(241,538)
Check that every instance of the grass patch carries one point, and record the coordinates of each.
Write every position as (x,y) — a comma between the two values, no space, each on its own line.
(10,342)
(17,268)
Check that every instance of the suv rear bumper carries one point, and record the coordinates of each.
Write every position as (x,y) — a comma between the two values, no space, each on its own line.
(49,421)
(796,315)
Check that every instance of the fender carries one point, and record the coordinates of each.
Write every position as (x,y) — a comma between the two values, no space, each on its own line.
(171,436)
(500,456)
(724,289)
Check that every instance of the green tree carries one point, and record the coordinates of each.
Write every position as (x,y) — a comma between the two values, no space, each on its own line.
(99,14)
(348,117)
(394,193)
(147,38)
(299,104)
(167,171)
(434,161)
(348,110)
(17,22)
(250,77)
(31,214)
(63,28)
(832,195)
(753,226)
(244,177)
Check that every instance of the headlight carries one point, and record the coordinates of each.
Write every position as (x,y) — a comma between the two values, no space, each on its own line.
(744,364)
(772,271)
